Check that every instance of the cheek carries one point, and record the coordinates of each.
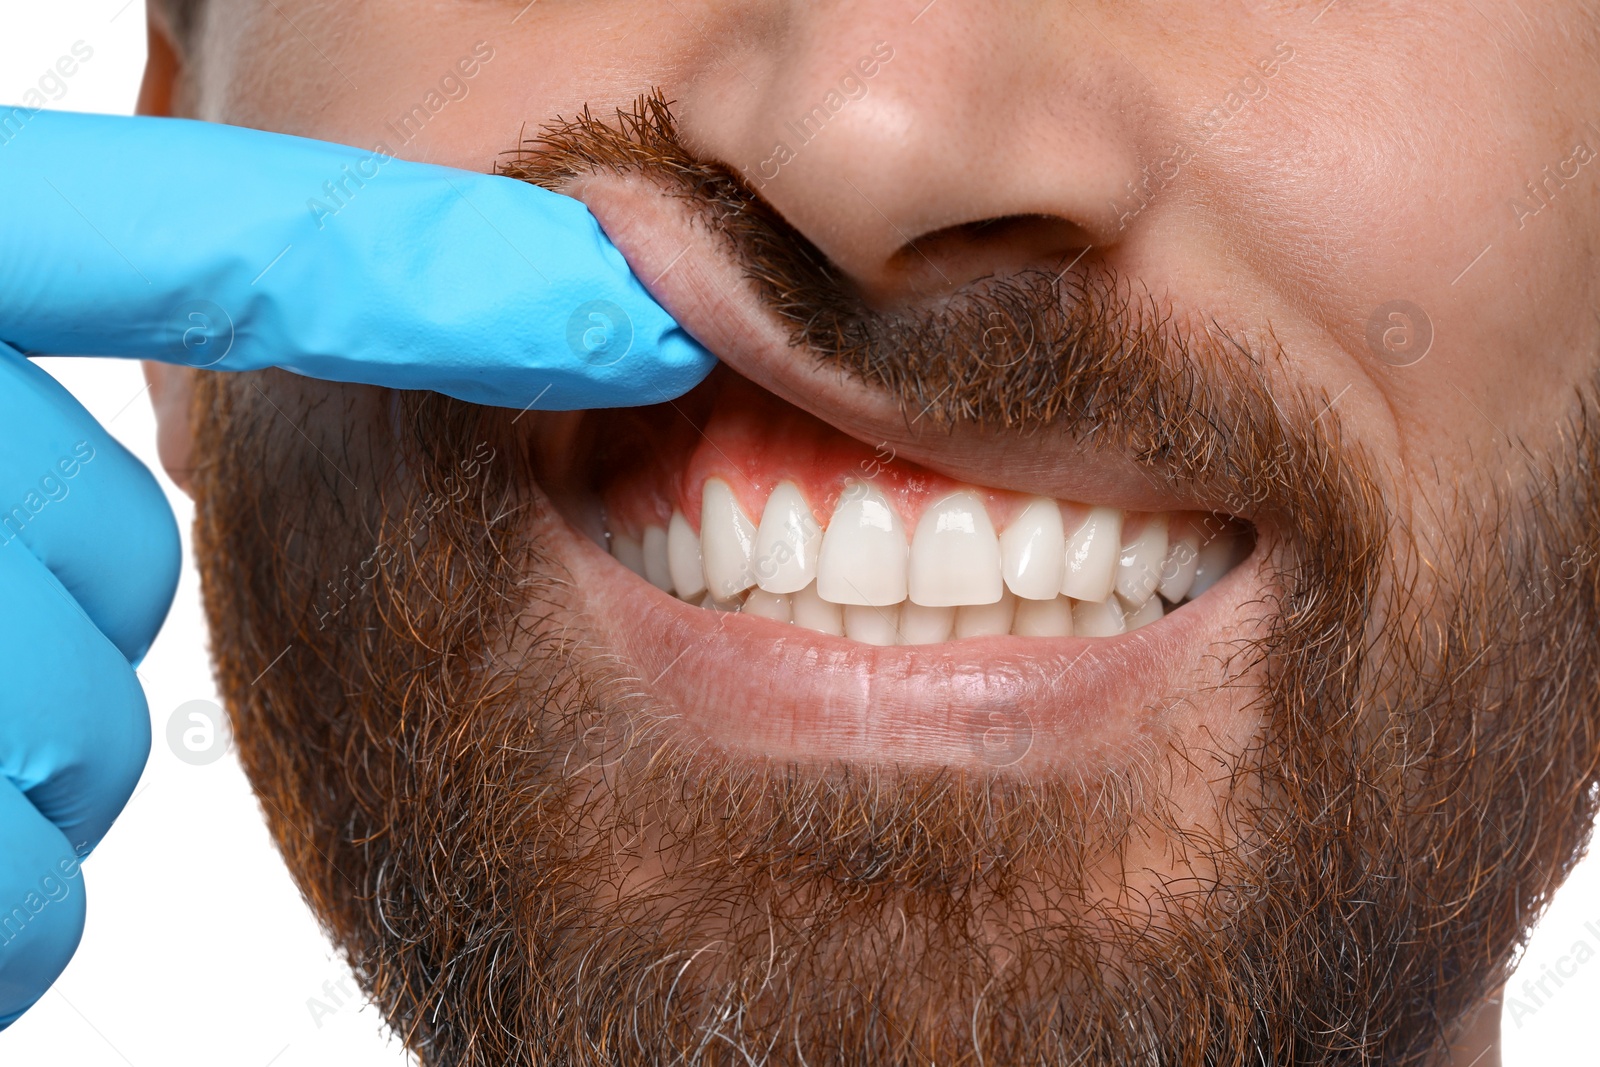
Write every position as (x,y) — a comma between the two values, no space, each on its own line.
(1385,184)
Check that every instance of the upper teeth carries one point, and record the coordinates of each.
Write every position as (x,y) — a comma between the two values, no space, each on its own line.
(1031,556)
(955,556)
(788,542)
(727,542)
(860,576)
(863,556)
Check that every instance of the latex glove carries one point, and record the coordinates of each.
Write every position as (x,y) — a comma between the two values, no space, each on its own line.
(218,246)
(88,565)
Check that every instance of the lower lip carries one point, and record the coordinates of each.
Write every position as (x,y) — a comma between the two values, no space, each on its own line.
(760,688)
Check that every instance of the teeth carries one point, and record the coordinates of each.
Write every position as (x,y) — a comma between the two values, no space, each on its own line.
(787,542)
(955,556)
(872,625)
(774,606)
(1043,618)
(1139,565)
(1148,612)
(683,559)
(985,620)
(1177,570)
(859,578)
(925,626)
(863,555)
(1033,551)
(814,613)
(727,541)
(709,601)
(657,569)
(1215,559)
(1097,618)
(1091,556)
(629,553)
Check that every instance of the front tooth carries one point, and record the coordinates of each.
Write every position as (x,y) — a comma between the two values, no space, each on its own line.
(683,559)
(1215,560)
(1139,563)
(628,552)
(985,620)
(925,626)
(1098,618)
(1091,556)
(872,625)
(814,613)
(955,556)
(727,541)
(1177,570)
(1033,551)
(774,606)
(657,568)
(787,542)
(1043,618)
(1145,614)
(863,555)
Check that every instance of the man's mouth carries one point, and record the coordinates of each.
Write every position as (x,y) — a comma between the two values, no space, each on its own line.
(782,589)
(733,500)
(790,566)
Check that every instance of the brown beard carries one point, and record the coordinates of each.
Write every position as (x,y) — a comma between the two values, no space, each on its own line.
(524,866)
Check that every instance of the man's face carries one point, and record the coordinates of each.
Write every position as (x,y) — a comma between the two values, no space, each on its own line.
(1311,284)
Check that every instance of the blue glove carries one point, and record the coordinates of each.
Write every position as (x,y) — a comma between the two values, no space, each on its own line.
(215,246)
(88,565)
(219,246)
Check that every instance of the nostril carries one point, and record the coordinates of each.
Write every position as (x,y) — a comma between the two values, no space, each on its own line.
(945,259)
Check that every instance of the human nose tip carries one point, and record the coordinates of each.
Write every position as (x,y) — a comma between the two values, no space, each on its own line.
(913,155)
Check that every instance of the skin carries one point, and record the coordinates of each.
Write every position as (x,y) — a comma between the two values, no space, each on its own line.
(1382,162)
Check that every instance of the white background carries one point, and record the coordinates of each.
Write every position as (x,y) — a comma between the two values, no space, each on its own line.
(198,948)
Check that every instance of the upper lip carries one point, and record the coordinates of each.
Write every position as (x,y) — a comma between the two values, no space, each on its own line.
(691,273)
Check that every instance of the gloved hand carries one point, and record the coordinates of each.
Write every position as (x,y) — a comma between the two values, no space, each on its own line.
(219,246)
(230,248)
(88,565)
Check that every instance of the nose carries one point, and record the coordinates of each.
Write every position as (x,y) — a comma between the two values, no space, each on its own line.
(920,146)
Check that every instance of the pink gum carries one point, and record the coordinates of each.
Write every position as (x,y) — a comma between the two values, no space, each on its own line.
(754,442)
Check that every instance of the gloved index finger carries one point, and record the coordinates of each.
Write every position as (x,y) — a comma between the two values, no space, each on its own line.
(85,507)
(238,249)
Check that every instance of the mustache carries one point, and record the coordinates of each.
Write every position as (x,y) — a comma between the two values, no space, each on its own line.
(1082,352)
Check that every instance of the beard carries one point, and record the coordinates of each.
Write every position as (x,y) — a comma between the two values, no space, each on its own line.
(525,862)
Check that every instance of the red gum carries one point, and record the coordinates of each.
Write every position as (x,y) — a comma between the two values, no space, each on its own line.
(753,441)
